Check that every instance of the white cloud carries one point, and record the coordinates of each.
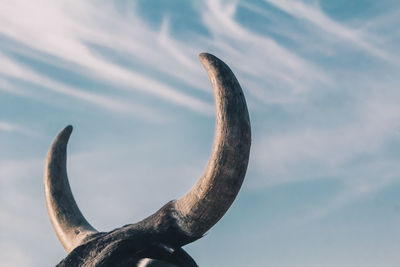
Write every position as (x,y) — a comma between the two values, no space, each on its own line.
(13,69)
(358,183)
(316,16)
(376,121)
(8,127)
(76,25)
(260,58)
(16,128)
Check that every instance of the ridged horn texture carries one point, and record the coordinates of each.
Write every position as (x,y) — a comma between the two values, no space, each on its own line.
(178,222)
(211,197)
(67,220)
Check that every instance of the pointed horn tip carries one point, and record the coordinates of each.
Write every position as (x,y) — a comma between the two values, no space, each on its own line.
(213,64)
(65,133)
(62,138)
(207,58)
(68,129)
(205,55)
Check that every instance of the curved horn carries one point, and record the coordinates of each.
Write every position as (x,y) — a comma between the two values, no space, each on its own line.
(211,197)
(67,220)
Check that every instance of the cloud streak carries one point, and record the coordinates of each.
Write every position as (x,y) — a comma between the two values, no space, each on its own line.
(68,38)
(281,75)
(314,15)
(11,128)
(12,69)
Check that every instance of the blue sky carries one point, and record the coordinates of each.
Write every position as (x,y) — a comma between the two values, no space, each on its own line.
(321,79)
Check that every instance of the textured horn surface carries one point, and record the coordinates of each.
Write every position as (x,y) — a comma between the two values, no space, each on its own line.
(214,193)
(178,222)
(67,220)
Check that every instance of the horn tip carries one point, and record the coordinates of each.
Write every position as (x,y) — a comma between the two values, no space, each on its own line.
(206,57)
(67,131)
(204,54)
(64,135)
(211,62)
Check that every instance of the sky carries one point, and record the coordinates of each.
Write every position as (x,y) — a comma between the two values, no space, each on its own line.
(321,80)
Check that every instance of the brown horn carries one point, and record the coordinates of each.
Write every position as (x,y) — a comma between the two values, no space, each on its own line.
(211,197)
(68,222)
(182,221)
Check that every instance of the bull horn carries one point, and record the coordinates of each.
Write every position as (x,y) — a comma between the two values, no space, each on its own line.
(67,220)
(203,206)
(213,194)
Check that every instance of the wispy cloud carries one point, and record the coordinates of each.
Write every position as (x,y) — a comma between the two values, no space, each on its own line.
(13,69)
(281,75)
(71,33)
(16,128)
(361,182)
(376,121)
(4,126)
(314,15)
(355,153)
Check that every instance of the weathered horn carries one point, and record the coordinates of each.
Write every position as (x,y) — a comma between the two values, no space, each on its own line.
(211,197)
(67,220)
(178,222)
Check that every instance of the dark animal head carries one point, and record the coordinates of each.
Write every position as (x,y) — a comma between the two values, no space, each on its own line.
(157,240)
